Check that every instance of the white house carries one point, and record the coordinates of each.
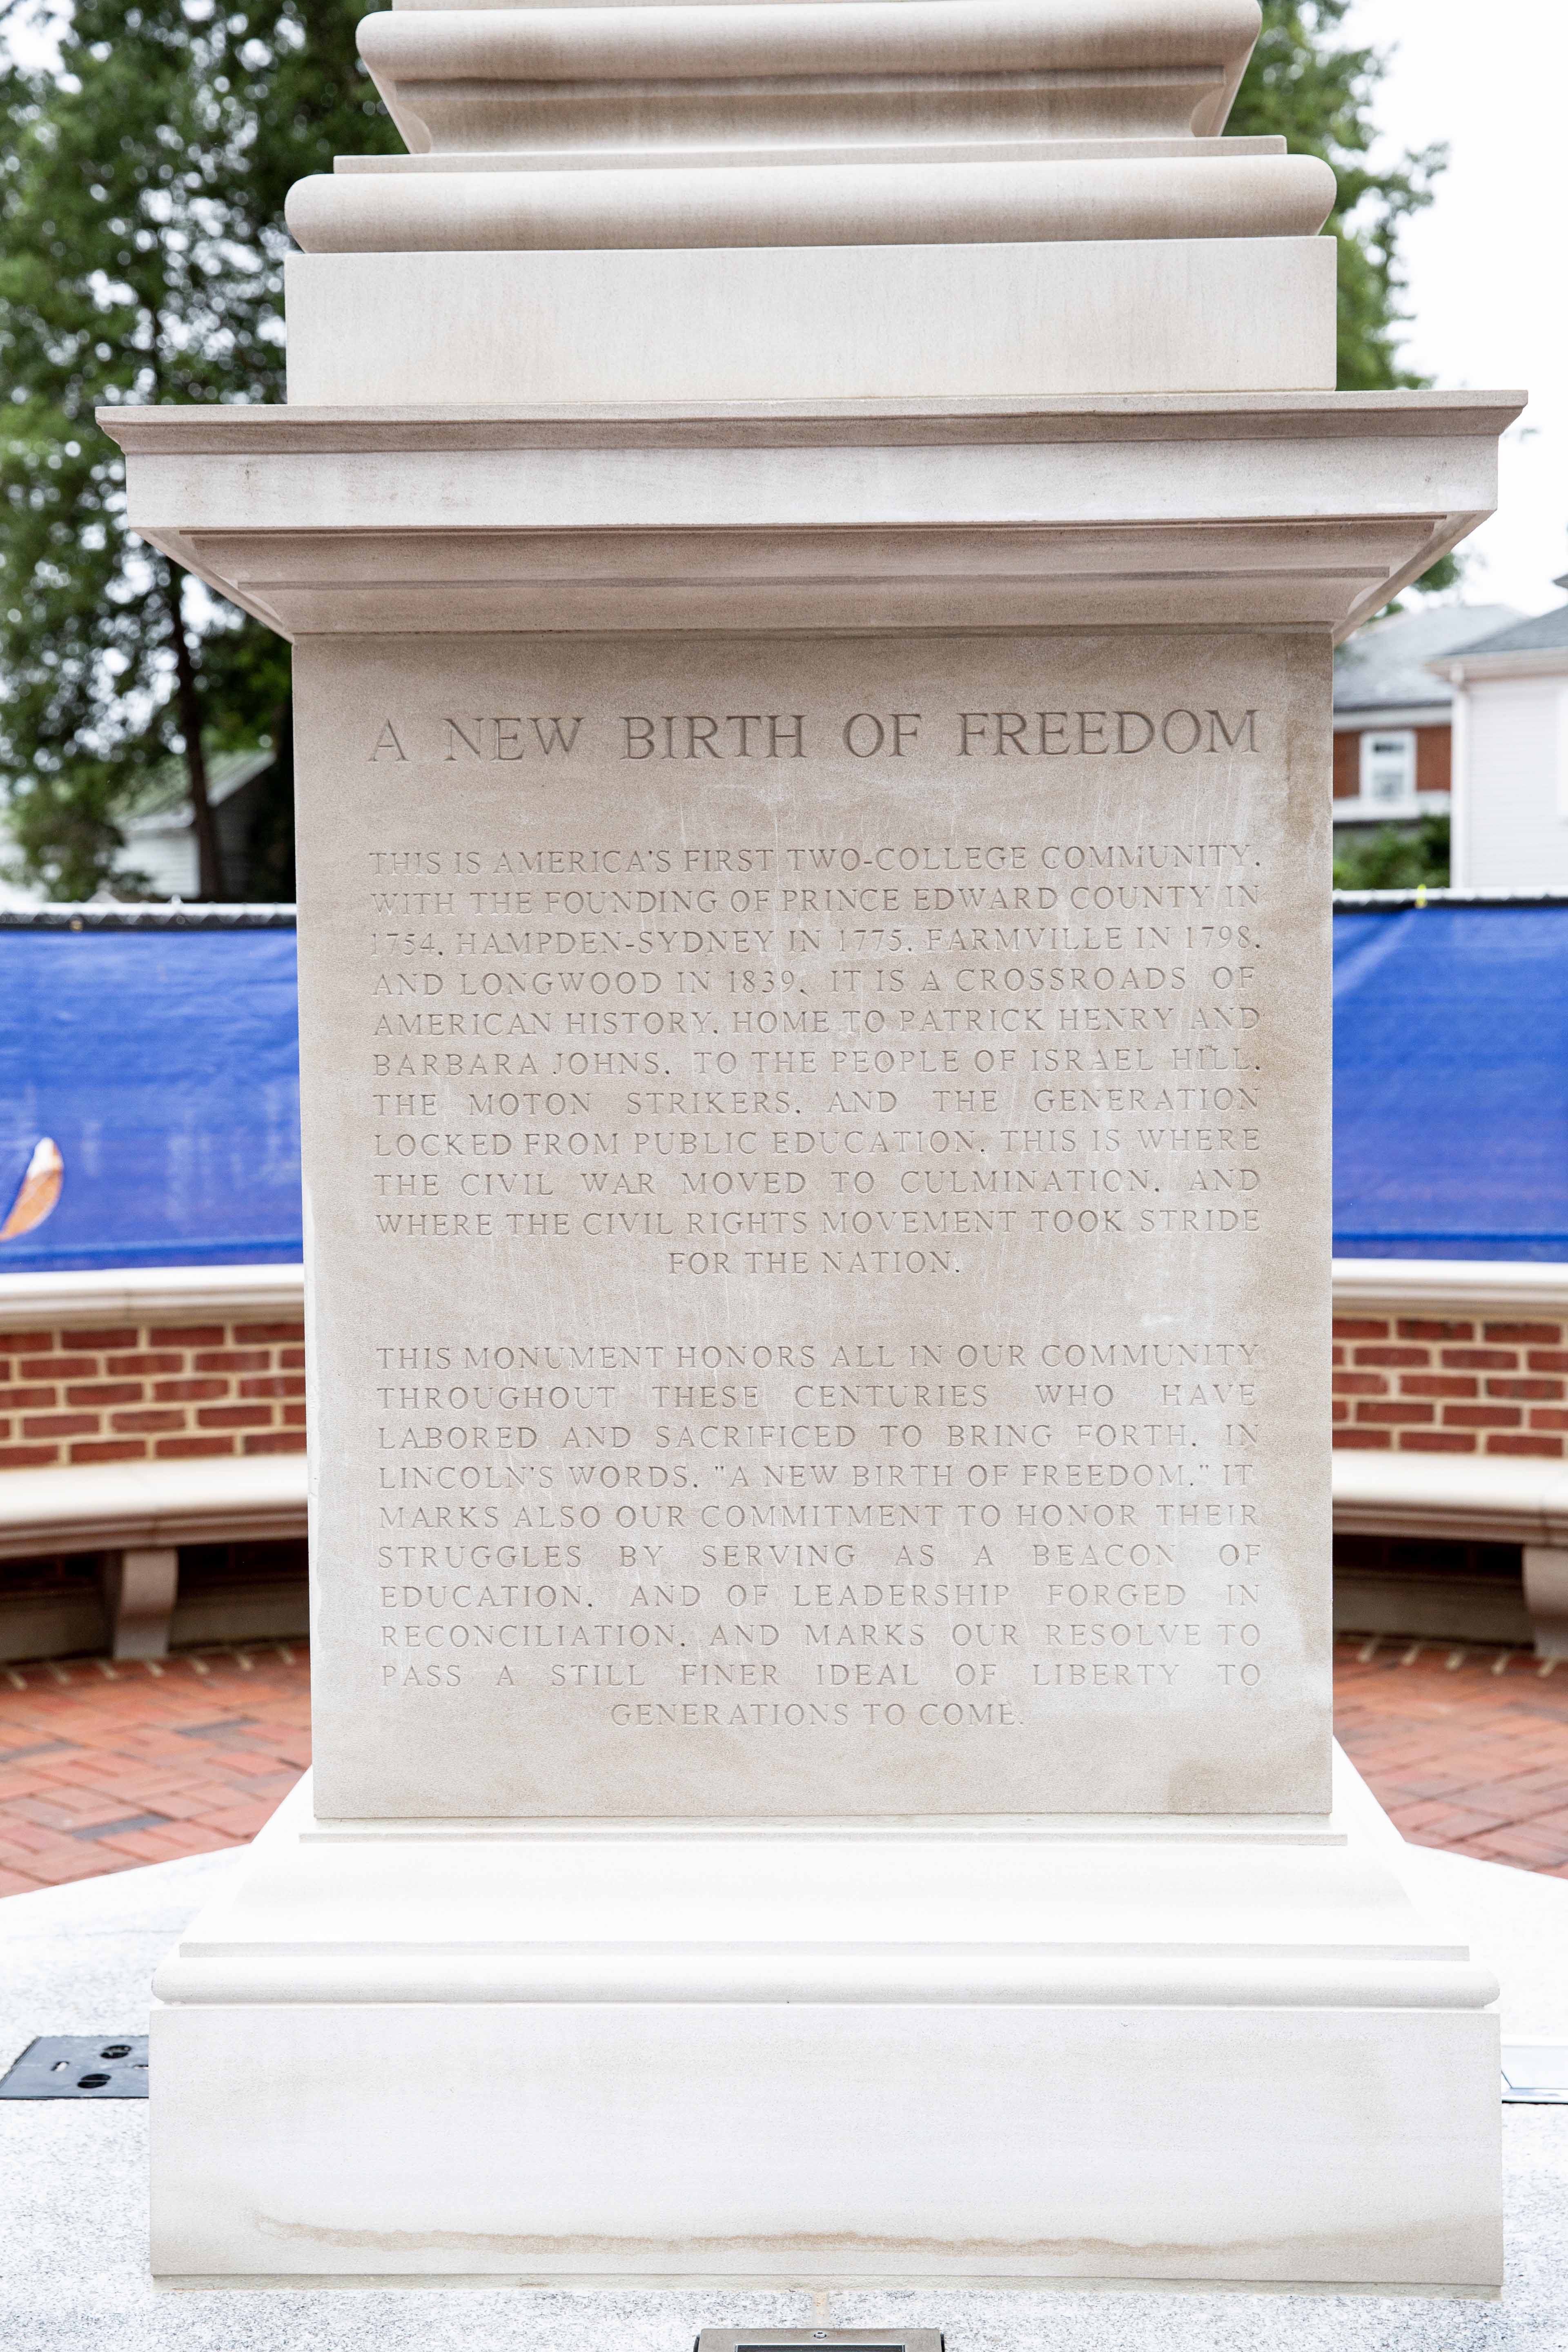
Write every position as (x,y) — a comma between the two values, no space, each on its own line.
(1510,812)
(161,839)
(1392,712)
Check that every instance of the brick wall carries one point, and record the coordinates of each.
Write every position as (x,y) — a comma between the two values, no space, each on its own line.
(1487,1383)
(1347,766)
(152,1391)
(1433,760)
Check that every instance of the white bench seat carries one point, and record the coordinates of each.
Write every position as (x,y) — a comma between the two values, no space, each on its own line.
(1462,1498)
(1468,1498)
(144,1505)
(139,1514)
(136,1514)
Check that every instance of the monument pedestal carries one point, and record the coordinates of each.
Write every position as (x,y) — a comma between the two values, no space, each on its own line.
(843,2055)
(821,1601)
(816,1173)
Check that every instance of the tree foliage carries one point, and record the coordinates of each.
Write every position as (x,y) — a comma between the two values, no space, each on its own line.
(1394,857)
(1304,85)
(141,243)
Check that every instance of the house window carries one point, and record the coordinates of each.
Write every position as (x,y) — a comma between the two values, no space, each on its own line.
(1388,768)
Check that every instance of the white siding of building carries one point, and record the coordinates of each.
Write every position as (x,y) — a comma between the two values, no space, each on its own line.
(1511,819)
(167,859)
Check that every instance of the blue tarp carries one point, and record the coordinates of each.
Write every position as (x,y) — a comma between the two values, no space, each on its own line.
(164,1064)
(1451,1083)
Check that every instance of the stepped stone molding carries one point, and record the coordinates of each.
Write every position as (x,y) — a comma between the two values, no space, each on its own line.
(1012,1911)
(799,199)
(730,75)
(810,122)
(839,204)
(983,515)
(1203,1991)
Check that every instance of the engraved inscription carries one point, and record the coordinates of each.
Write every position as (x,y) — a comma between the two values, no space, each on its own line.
(804,1194)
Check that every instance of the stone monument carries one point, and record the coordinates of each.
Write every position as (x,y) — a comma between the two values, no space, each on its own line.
(813,537)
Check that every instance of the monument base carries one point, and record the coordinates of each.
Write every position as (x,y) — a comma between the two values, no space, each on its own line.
(1195,2050)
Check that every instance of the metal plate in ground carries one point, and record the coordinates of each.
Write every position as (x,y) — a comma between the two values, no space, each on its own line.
(80,2066)
(820,2339)
(1535,2074)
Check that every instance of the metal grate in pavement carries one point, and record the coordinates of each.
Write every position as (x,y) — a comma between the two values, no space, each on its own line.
(821,2340)
(1535,2074)
(80,2066)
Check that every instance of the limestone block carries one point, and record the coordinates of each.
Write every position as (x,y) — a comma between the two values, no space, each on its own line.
(829,323)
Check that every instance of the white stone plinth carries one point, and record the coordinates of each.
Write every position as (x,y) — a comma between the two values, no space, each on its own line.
(843,2055)
(814,322)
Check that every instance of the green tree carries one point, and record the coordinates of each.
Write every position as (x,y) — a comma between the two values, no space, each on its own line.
(1303,87)
(141,243)
(1394,857)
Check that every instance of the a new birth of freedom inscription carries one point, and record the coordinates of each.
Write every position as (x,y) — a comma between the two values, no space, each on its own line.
(817,1184)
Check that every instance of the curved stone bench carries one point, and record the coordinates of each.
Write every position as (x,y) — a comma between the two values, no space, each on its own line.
(147,1410)
(139,1514)
(1477,1496)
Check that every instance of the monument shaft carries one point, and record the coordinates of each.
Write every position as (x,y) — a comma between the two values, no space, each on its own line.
(812,1262)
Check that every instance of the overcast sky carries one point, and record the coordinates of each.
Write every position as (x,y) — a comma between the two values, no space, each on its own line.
(1488,265)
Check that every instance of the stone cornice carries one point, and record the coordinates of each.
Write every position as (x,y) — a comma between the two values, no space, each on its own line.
(1306,510)
(666,85)
(252,428)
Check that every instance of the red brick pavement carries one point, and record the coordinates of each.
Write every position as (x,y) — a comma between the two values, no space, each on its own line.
(1466,1746)
(103,1767)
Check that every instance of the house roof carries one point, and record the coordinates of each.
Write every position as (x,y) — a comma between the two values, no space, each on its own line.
(1384,665)
(167,808)
(1545,633)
